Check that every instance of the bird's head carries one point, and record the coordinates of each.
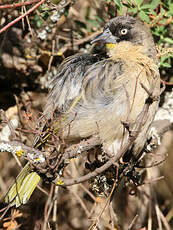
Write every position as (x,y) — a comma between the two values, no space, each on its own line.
(126,28)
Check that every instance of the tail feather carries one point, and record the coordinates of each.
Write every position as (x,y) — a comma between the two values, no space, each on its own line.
(23,188)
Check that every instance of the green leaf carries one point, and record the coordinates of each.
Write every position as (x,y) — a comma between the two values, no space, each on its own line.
(132,10)
(94,23)
(165,64)
(138,2)
(44,15)
(146,6)
(170,13)
(151,5)
(120,6)
(36,17)
(112,12)
(55,2)
(99,19)
(45,8)
(168,40)
(144,17)
(39,23)
(171,8)
(165,61)
(155,3)
(129,2)
(118,3)
(151,11)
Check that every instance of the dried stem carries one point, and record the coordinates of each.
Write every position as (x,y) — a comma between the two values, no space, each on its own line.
(15,5)
(22,16)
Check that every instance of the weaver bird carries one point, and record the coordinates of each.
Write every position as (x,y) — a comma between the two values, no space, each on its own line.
(95,95)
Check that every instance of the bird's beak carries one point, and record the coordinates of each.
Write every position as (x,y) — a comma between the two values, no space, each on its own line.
(105,37)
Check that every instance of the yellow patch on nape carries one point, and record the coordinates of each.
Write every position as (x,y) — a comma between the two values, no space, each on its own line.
(110,46)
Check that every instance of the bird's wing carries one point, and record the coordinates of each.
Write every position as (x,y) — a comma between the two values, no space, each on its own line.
(65,91)
(67,84)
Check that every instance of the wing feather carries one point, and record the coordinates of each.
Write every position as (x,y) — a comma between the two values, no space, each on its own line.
(65,91)
(67,84)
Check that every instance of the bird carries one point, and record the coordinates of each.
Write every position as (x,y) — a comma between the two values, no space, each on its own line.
(96,94)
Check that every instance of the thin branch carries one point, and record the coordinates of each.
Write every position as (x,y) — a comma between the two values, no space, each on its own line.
(48,207)
(34,156)
(88,192)
(94,225)
(111,216)
(80,202)
(10,125)
(76,149)
(60,7)
(22,16)
(55,200)
(158,216)
(78,42)
(15,5)
(164,221)
(133,222)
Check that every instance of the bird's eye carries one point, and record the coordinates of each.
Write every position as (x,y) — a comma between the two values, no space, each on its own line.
(123,31)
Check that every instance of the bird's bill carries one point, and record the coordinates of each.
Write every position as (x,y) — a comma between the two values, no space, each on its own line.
(105,37)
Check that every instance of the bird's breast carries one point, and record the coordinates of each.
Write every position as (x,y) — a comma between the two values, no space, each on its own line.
(112,93)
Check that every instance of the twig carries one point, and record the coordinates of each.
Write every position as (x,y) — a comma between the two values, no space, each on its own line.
(10,125)
(80,202)
(15,5)
(51,57)
(158,215)
(27,20)
(133,222)
(94,225)
(111,216)
(15,146)
(88,192)
(149,225)
(49,203)
(76,149)
(60,7)
(43,190)
(165,222)
(3,185)
(167,83)
(4,210)
(55,199)
(20,17)
(152,180)
(78,42)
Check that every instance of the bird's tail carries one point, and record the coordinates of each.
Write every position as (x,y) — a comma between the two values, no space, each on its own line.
(22,189)
(27,180)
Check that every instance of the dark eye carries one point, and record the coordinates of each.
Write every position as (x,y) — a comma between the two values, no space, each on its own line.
(123,31)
